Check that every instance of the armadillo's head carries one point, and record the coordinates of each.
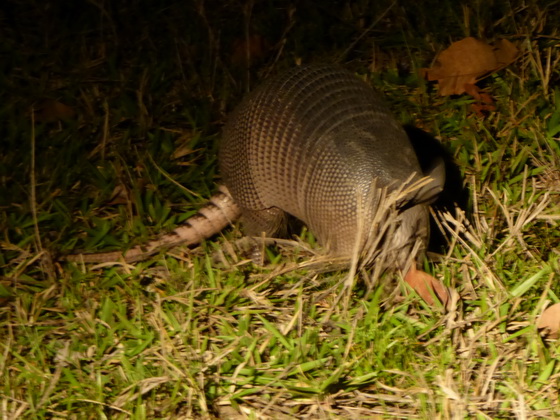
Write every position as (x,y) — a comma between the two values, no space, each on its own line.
(406,245)
(409,243)
(409,240)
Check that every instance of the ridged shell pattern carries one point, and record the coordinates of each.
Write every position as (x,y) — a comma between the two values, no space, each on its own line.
(311,143)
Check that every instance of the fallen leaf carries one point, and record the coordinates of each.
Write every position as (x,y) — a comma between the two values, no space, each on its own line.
(549,321)
(50,110)
(505,52)
(484,102)
(467,61)
(427,286)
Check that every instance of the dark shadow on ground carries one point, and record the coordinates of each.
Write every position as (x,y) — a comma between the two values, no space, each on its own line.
(455,194)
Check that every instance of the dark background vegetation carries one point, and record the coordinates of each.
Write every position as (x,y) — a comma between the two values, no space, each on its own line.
(146,76)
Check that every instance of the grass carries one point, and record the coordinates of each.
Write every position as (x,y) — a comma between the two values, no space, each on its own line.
(204,333)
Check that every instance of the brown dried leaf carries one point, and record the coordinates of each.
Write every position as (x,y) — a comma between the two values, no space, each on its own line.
(50,110)
(427,286)
(481,109)
(549,321)
(505,52)
(484,103)
(467,61)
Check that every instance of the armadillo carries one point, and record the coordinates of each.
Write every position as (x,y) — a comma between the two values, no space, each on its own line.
(315,143)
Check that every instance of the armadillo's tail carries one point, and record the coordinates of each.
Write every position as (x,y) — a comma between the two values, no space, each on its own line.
(219,212)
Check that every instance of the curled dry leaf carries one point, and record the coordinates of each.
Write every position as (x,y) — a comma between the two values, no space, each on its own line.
(427,287)
(50,110)
(549,321)
(465,62)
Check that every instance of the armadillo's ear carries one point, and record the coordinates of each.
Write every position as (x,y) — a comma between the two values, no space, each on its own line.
(430,191)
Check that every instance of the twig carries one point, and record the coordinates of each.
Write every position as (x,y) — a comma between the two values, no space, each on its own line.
(33,198)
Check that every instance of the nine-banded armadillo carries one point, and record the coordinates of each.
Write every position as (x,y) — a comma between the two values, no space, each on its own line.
(316,143)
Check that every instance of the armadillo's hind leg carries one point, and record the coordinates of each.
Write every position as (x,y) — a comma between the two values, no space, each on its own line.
(270,222)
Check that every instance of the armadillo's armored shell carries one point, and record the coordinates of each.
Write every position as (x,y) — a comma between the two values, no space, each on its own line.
(311,143)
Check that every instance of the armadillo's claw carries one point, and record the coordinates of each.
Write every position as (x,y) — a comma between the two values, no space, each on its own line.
(427,287)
